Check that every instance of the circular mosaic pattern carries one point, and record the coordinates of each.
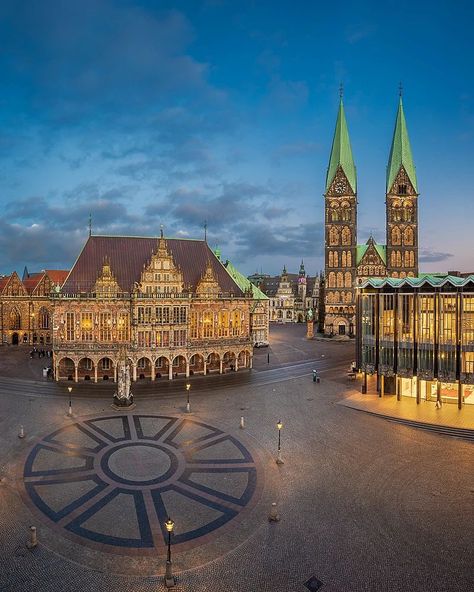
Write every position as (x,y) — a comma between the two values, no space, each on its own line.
(115,480)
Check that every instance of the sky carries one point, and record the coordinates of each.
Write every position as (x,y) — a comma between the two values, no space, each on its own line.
(155,113)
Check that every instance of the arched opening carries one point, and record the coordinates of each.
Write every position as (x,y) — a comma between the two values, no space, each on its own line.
(228,361)
(15,320)
(105,369)
(213,362)
(244,359)
(15,339)
(196,364)
(85,369)
(66,369)
(162,367)
(179,366)
(143,369)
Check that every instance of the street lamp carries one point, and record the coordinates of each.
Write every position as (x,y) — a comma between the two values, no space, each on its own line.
(279,460)
(69,388)
(170,580)
(188,405)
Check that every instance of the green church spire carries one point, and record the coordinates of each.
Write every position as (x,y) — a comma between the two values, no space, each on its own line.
(341,152)
(400,152)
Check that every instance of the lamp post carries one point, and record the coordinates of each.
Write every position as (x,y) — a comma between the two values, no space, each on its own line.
(188,404)
(69,413)
(279,460)
(170,580)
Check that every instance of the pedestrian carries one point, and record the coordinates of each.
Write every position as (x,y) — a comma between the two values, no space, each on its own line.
(314,375)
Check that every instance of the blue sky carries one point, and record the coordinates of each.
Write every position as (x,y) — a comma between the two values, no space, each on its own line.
(150,113)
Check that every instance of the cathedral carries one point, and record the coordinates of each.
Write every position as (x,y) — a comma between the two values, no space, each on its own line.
(348,264)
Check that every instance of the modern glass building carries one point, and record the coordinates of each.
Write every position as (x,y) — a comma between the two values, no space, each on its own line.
(415,337)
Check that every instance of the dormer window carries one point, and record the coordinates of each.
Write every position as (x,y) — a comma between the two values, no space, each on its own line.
(402,190)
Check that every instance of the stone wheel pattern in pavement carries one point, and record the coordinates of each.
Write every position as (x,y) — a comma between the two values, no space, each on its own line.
(115,480)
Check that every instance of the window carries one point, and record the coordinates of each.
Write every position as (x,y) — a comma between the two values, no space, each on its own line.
(193,325)
(223,323)
(340,279)
(467,320)
(408,236)
(346,235)
(43,318)
(207,321)
(348,280)
(15,320)
(86,326)
(69,326)
(332,280)
(236,323)
(447,318)
(333,236)
(105,326)
(402,190)
(183,315)
(179,337)
(396,236)
(122,326)
(331,259)
(426,318)
(105,364)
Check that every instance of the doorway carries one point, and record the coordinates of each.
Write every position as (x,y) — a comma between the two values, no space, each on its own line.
(342,329)
(15,339)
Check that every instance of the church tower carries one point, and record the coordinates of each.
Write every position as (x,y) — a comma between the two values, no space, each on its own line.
(302,283)
(401,204)
(340,232)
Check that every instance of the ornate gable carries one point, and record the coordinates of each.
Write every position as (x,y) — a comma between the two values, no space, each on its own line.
(161,274)
(14,286)
(208,286)
(43,287)
(340,185)
(402,181)
(106,284)
(371,263)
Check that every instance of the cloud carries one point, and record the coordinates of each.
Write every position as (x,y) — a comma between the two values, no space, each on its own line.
(358,32)
(428,256)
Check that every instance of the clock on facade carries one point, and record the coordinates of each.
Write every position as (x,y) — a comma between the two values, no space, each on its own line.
(339,187)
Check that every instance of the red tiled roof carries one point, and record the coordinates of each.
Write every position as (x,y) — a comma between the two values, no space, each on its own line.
(57,276)
(31,282)
(128,255)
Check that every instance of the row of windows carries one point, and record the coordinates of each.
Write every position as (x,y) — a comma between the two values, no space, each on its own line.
(163,315)
(402,213)
(337,236)
(345,259)
(40,322)
(176,337)
(208,324)
(407,236)
(87,326)
(342,213)
(399,259)
(339,279)
(337,297)
(371,270)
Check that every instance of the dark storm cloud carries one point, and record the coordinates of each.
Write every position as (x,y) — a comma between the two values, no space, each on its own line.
(427,256)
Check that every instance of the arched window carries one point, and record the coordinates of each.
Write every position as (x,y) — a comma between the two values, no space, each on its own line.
(396,212)
(349,297)
(366,270)
(15,320)
(412,258)
(332,279)
(333,236)
(348,279)
(393,259)
(344,259)
(336,259)
(396,236)
(399,259)
(331,259)
(236,322)
(340,279)
(408,236)
(349,259)
(408,212)
(403,275)
(337,297)
(346,235)
(395,273)
(43,318)
(345,212)
(406,262)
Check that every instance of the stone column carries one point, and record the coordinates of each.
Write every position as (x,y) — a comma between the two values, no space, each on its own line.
(250,361)
(187,369)
(170,370)
(236,363)
(134,371)
(153,370)
(205,367)
(95,371)
(220,366)
(115,371)
(76,373)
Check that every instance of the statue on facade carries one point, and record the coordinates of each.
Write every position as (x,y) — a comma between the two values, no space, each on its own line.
(123,396)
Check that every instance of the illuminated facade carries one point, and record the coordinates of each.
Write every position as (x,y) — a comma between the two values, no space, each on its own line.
(169,303)
(348,264)
(26,308)
(416,338)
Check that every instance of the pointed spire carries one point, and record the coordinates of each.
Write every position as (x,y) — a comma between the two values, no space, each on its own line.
(302,270)
(90,223)
(341,152)
(400,152)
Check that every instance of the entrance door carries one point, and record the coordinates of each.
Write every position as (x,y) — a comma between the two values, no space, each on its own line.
(15,339)
(342,329)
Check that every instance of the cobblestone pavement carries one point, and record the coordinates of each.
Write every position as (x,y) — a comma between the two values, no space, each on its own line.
(364,504)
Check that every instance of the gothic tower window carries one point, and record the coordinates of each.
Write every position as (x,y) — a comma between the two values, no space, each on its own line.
(340,279)
(402,189)
(396,236)
(407,212)
(336,259)
(337,297)
(344,259)
(349,259)
(15,320)
(348,279)
(406,259)
(333,236)
(346,235)
(331,259)
(332,280)
(43,318)
(345,212)
(412,259)
(396,212)
(334,213)
(399,259)
(408,236)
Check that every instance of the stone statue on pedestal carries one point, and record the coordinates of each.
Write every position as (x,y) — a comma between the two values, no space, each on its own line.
(309,324)
(123,396)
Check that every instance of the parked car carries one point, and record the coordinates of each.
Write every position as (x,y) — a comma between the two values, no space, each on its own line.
(261,344)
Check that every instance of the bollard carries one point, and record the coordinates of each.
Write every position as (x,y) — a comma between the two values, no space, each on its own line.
(33,542)
(273,516)
(242,423)
(21,434)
